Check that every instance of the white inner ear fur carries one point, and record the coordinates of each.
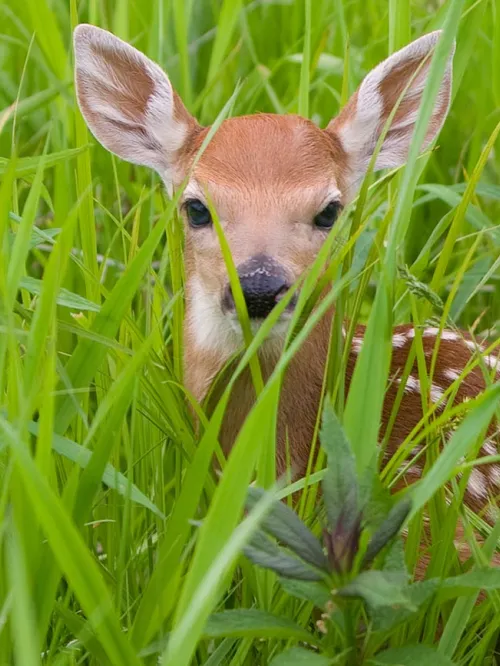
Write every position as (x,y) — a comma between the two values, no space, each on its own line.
(359,132)
(149,135)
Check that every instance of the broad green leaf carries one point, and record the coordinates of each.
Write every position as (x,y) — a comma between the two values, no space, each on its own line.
(300,657)
(317,593)
(418,593)
(478,579)
(284,524)
(412,655)
(340,483)
(265,553)
(254,623)
(388,530)
(379,589)
(245,623)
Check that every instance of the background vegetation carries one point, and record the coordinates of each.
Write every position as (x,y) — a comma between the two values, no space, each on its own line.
(102,479)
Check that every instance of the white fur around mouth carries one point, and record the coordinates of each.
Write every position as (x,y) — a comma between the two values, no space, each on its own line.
(279,329)
(219,332)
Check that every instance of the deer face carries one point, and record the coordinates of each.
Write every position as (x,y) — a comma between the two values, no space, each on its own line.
(277,183)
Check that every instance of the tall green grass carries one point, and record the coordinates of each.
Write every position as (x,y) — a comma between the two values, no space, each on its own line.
(118,542)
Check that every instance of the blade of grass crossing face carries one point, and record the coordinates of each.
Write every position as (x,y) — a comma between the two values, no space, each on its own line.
(239,299)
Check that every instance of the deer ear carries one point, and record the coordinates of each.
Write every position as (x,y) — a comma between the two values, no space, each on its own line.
(128,101)
(361,121)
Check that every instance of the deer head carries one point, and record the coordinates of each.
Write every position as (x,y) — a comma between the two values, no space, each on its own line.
(278,183)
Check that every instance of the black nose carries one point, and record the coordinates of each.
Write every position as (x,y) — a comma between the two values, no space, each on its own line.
(264,282)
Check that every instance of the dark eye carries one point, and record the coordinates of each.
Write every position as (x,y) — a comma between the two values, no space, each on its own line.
(326,218)
(197,213)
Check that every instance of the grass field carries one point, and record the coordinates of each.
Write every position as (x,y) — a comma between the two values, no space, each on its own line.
(103,482)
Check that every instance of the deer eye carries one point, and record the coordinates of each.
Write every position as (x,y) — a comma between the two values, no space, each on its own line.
(326,218)
(197,213)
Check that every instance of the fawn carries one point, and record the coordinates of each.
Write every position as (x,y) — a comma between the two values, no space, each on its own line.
(278,183)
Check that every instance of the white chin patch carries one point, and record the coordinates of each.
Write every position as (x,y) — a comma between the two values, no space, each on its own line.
(278,331)
(218,332)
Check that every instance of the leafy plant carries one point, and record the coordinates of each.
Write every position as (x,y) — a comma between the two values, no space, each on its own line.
(356,574)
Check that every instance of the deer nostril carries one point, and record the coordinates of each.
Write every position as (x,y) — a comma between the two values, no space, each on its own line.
(228,304)
(282,292)
(264,283)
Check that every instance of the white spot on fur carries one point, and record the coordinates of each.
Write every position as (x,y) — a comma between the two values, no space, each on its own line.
(492,361)
(357,343)
(489,448)
(436,393)
(451,374)
(449,336)
(494,475)
(399,340)
(412,385)
(477,485)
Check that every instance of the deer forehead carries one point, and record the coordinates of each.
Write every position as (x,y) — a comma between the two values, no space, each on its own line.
(265,161)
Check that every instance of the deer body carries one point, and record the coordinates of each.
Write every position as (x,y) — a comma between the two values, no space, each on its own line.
(277,183)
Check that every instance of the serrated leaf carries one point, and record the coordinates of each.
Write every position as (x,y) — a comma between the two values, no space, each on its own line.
(340,484)
(380,589)
(265,553)
(394,560)
(243,623)
(288,529)
(479,579)
(315,592)
(388,530)
(411,655)
(418,594)
(64,297)
(253,623)
(300,657)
